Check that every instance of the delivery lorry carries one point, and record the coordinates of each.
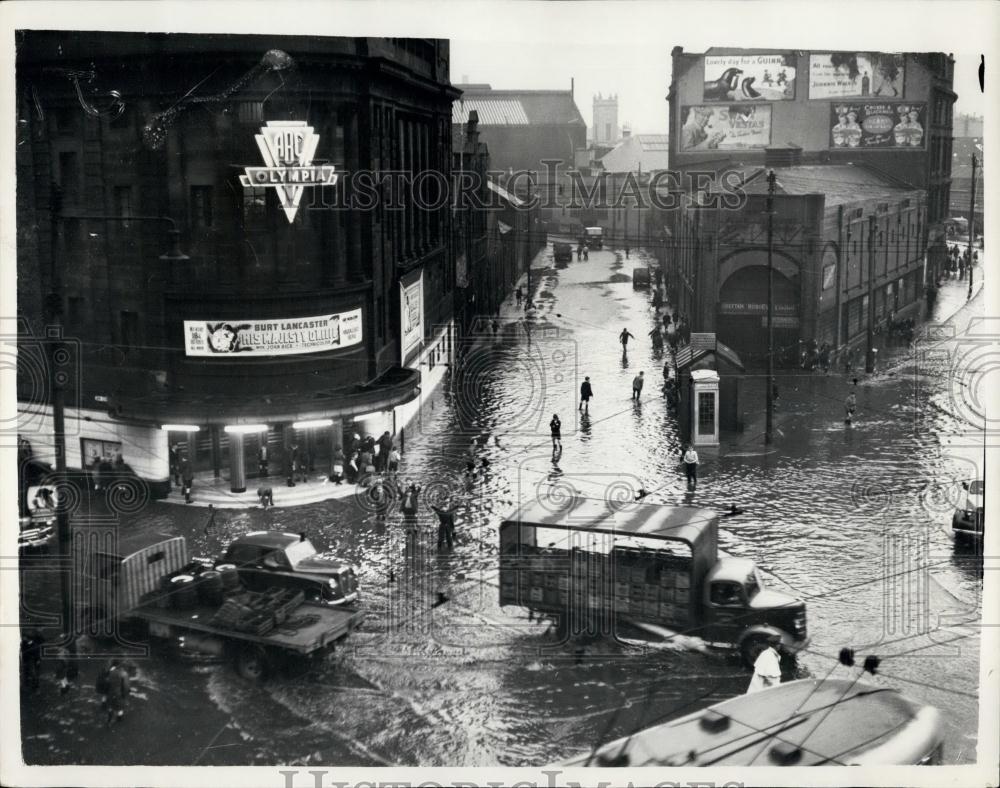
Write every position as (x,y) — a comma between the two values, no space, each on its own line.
(809,722)
(150,584)
(593,561)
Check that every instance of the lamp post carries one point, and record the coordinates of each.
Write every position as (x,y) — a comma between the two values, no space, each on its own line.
(56,384)
(972,222)
(769,412)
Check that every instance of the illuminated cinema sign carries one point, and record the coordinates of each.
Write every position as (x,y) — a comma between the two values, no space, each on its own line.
(288,147)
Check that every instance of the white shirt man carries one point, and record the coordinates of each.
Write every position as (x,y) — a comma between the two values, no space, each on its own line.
(690,460)
(766,669)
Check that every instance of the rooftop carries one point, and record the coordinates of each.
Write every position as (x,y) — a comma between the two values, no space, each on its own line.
(516,107)
(840,183)
(638,153)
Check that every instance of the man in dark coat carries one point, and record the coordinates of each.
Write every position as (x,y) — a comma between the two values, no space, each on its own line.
(586,392)
(384,448)
(187,474)
(118,690)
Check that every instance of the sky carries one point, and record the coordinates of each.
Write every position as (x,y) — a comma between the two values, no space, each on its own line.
(638,71)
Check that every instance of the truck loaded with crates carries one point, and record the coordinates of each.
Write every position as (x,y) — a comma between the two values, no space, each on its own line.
(594,562)
(201,606)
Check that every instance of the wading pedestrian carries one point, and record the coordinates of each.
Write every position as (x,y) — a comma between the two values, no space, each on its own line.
(624,337)
(118,691)
(586,392)
(637,383)
(446,526)
(850,406)
(767,666)
(410,504)
(690,460)
(555,426)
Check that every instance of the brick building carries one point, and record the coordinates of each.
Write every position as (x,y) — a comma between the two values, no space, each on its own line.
(200,299)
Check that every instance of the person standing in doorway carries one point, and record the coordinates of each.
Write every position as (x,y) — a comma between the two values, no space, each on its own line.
(690,460)
(767,666)
(339,461)
(384,449)
(262,459)
(637,383)
(393,463)
(187,475)
(586,392)
(555,426)
(175,464)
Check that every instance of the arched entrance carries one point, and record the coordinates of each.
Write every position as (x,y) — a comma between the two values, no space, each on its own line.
(742,313)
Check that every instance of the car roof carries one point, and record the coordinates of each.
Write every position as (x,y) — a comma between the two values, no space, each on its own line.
(273,539)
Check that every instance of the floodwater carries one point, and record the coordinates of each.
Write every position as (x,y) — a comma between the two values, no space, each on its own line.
(853,519)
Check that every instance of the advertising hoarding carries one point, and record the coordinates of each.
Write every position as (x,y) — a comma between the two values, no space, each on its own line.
(856,74)
(858,124)
(273,336)
(763,77)
(411,316)
(733,127)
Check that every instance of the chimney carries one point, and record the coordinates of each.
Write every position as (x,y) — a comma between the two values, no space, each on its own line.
(786,156)
(471,129)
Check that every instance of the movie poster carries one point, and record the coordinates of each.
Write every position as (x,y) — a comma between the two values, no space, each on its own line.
(856,74)
(736,127)
(767,77)
(284,336)
(877,125)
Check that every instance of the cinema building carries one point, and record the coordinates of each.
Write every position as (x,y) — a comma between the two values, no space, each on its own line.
(187,200)
(860,144)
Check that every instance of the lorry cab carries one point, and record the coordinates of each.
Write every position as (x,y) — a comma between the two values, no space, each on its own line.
(739,608)
(593,237)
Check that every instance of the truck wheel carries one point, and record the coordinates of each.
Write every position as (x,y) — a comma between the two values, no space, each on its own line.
(750,649)
(252,663)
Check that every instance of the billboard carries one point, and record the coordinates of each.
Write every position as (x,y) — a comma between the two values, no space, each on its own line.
(767,77)
(734,127)
(411,316)
(856,74)
(883,124)
(284,336)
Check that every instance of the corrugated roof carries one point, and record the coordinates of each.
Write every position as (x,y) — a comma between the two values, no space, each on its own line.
(536,107)
(492,112)
(841,183)
(648,152)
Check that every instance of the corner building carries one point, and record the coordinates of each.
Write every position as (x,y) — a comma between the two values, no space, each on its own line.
(201,314)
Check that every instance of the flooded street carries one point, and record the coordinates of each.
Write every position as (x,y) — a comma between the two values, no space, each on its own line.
(855,520)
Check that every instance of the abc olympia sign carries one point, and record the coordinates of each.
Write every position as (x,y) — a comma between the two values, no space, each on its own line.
(288,147)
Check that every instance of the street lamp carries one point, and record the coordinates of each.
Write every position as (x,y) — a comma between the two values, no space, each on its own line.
(769,413)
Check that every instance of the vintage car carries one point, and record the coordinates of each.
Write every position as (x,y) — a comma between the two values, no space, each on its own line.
(562,252)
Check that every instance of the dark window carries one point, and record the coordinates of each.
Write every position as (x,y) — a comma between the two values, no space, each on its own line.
(66,119)
(69,174)
(251,111)
(130,330)
(74,312)
(123,202)
(201,207)
(152,558)
(727,594)
(254,205)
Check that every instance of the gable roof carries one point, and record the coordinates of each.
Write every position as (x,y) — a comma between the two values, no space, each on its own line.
(645,152)
(516,107)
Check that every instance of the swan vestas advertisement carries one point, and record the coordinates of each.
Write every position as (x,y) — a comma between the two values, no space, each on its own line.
(735,127)
(764,77)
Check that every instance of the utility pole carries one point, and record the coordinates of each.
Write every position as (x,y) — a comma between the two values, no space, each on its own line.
(972,222)
(870,338)
(56,390)
(769,422)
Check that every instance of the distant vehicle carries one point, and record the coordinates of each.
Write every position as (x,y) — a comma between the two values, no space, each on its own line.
(593,237)
(967,522)
(642,564)
(562,252)
(811,722)
(640,278)
(292,560)
(125,582)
